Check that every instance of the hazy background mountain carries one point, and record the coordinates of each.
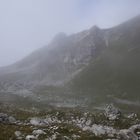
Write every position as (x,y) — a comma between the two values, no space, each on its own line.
(66,56)
(96,65)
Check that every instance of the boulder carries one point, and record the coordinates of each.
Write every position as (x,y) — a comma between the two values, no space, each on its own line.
(18,133)
(4,118)
(39,132)
(112,113)
(133,133)
(30,137)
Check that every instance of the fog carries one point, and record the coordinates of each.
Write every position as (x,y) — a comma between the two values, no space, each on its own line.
(26,25)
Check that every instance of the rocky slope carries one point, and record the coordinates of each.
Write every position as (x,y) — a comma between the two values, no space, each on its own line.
(67,124)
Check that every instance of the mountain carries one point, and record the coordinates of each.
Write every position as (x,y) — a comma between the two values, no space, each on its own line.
(56,63)
(114,74)
(95,62)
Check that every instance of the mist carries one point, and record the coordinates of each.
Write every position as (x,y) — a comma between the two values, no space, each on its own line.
(26,25)
(69,69)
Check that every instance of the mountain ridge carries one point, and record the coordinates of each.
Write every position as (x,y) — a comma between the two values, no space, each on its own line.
(93,62)
(65,51)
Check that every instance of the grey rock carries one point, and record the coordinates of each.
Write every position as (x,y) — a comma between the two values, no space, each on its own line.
(4,118)
(112,113)
(30,137)
(18,133)
(12,119)
(130,134)
(39,132)
(37,122)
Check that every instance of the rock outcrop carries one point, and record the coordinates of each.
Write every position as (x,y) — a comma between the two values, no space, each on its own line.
(112,113)
(4,118)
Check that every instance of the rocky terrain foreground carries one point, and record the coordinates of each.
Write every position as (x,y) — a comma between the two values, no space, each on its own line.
(69,124)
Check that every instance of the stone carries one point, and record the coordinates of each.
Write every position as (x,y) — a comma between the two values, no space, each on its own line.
(112,113)
(4,118)
(132,116)
(39,132)
(130,134)
(12,119)
(30,137)
(36,121)
(18,133)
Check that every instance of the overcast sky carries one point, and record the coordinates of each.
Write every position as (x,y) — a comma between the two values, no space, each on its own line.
(26,25)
